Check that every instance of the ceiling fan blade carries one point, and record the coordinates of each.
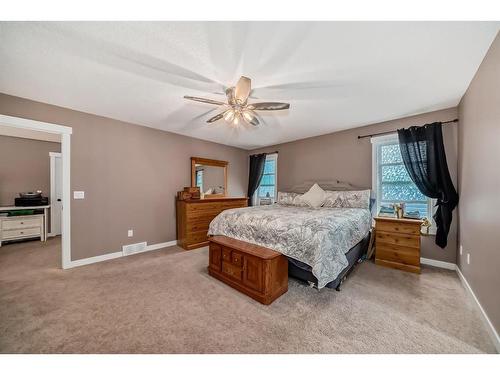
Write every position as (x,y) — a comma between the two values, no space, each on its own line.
(216,117)
(242,89)
(268,106)
(204,100)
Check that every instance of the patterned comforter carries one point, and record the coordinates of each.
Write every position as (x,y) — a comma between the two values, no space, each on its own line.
(317,237)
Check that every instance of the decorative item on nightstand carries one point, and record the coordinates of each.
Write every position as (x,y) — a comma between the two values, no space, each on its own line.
(266,201)
(397,243)
(387,210)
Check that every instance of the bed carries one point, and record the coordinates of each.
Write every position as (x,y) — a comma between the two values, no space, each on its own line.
(322,244)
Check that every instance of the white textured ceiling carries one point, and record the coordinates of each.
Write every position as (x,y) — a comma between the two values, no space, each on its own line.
(335,75)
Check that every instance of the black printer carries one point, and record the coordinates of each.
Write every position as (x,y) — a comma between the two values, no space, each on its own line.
(31,199)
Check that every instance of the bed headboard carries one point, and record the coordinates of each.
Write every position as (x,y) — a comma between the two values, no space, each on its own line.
(325,185)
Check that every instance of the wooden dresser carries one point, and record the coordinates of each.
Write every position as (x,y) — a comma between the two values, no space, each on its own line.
(194,216)
(397,243)
(256,271)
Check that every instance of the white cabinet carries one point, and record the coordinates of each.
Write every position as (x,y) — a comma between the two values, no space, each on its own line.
(19,227)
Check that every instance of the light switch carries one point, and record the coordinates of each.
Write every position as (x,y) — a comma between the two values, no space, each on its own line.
(79,195)
(130,233)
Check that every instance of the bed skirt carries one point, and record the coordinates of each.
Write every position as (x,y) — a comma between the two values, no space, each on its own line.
(303,272)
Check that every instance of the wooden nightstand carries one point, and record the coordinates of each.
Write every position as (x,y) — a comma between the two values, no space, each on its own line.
(397,243)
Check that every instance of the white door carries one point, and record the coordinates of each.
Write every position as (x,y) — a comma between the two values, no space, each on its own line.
(55,193)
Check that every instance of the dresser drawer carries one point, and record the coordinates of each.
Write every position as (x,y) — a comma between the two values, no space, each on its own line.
(397,239)
(196,226)
(196,237)
(19,233)
(203,207)
(21,223)
(403,228)
(236,204)
(192,217)
(231,270)
(400,254)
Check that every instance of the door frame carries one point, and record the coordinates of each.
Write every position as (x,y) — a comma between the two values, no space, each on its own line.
(53,156)
(65,133)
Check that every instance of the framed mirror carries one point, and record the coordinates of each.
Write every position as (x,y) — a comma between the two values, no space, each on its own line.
(210,176)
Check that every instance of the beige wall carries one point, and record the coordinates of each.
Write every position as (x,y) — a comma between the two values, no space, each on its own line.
(130,175)
(479,183)
(344,157)
(24,166)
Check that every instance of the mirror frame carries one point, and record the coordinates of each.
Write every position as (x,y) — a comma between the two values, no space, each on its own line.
(213,163)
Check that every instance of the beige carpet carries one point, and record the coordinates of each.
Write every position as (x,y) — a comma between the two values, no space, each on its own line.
(165,302)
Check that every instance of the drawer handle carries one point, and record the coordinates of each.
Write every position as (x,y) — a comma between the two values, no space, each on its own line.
(22,232)
(22,222)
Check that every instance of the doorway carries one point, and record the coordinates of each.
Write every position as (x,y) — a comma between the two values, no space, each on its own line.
(65,172)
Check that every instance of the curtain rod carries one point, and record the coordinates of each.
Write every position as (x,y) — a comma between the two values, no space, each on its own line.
(394,131)
(267,153)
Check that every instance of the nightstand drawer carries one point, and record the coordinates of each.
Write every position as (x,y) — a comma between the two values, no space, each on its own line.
(397,239)
(400,254)
(402,228)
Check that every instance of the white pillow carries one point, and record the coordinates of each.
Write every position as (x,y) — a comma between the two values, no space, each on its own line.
(315,197)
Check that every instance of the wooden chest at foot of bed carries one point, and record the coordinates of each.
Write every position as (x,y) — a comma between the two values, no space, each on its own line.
(256,271)
(397,243)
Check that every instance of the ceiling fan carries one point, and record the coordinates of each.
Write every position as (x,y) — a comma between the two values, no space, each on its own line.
(239,108)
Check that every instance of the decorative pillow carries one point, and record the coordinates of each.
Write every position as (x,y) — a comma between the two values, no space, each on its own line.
(286,199)
(348,199)
(297,201)
(289,199)
(315,197)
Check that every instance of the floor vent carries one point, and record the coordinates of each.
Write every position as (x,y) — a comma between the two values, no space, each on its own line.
(134,248)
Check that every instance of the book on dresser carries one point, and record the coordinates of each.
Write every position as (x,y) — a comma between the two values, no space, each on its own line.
(194,217)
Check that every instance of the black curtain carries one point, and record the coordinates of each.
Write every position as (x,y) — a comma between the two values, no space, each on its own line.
(422,150)
(256,171)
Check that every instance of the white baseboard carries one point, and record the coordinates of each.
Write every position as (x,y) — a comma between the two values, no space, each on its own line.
(438,263)
(118,254)
(99,258)
(489,326)
(161,245)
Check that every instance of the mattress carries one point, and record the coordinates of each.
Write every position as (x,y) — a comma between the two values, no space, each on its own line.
(317,237)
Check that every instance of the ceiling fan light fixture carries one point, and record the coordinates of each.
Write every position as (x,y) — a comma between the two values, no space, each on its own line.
(239,108)
(229,116)
(236,120)
(248,116)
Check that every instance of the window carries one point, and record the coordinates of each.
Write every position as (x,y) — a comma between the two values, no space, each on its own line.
(199,179)
(267,187)
(391,181)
